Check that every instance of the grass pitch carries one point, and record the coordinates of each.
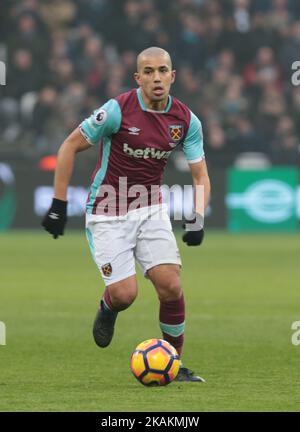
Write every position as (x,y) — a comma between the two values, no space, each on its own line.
(242,296)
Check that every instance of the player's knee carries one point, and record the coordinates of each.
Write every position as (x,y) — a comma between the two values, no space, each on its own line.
(170,290)
(124,299)
(123,293)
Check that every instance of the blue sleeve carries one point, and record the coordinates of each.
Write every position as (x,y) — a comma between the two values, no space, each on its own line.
(193,143)
(104,122)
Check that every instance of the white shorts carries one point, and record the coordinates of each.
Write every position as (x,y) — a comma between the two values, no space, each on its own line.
(144,235)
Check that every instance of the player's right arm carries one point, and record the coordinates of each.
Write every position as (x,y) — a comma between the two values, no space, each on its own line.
(55,219)
(102,123)
(73,144)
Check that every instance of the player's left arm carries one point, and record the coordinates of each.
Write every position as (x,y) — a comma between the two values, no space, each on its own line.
(194,152)
(201,183)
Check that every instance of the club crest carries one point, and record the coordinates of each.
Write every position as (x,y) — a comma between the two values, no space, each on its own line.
(107,269)
(176,132)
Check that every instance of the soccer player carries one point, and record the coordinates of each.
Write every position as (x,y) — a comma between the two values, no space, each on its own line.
(136,131)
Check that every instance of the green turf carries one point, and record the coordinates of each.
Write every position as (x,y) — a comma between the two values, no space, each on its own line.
(242,295)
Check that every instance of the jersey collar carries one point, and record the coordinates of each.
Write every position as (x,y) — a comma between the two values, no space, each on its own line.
(144,108)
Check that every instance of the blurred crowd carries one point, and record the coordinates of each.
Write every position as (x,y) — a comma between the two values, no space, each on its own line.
(233,59)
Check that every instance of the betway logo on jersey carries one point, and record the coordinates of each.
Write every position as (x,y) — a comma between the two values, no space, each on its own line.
(148,152)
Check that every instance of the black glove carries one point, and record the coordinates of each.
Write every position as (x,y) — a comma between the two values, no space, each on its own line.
(194,232)
(55,219)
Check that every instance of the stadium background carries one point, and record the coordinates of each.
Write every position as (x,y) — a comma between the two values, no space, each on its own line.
(234,69)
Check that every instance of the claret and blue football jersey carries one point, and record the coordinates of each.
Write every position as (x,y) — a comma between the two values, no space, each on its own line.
(135,143)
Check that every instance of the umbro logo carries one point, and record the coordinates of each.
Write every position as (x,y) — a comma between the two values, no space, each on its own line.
(53,216)
(134,130)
